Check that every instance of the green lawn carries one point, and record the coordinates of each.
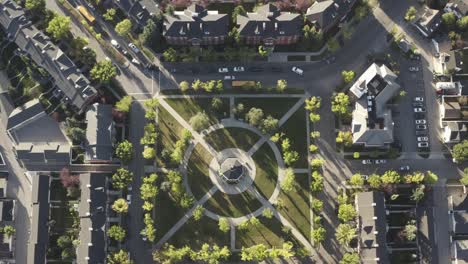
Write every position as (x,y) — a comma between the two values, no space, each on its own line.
(295,129)
(296,205)
(188,107)
(232,138)
(232,205)
(195,233)
(267,170)
(275,107)
(269,232)
(169,132)
(62,217)
(197,171)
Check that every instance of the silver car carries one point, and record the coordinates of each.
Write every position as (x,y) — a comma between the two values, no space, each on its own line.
(423,139)
(420,121)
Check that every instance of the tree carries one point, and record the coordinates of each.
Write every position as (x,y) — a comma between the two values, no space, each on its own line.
(109,15)
(449,19)
(147,206)
(238,11)
(211,254)
(148,36)
(120,206)
(200,121)
(346,212)
(170,55)
(76,133)
(410,14)
(313,117)
(333,45)
(254,253)
(374,181)
(149,153)
(269,125)
(124,151)
(316,163)
(390,177)
(350,258)
(216,103)
(253,221)
(288,184)
(357,180)
(460,151)
(290,157)
(67,179)
(410,230)
(198,212)
(268,213)
(151,108)
(430,177)
(348,76)
(262,51)
(462,23)
(345,233)
(223,224)
(464,178)
(254,116)
(117,233)
(184,86)
(281,85)
(124,104)
(418,193)
(119,257)
(103,71)
(123,27)
(148,190)
(122,178)
(313,103)
(318,234)
(59,27)
(313,148)
(317,206)
(340,103)
(417,177)
(315,134)
(317,182)
(35,6)
(169,254)
(64,241)
(345,138)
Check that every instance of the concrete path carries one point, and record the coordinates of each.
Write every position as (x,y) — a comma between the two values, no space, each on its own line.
(186,217)
(291,111)
(233,237)
(175,96)
(231,106)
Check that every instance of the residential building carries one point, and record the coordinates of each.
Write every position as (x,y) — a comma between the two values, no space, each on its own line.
(372,124)
(196,26)
(327,14)
(37,137)
(6,103)
(429,22)
(458,7)
(39,233)
(454,132)
(139,11)
(92,211)
(372,227)
(100,134)
(269,26)
(71,84)
(7,243)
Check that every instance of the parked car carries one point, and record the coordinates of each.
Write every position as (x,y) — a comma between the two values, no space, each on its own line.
(380,161)
(223,70)
(136,62)
(421,133)
(422,139)
(239,69)
(367,162)
(419,99)
(151,66)
(115,44)
(421,127)
(419,110)
(415,56)
(297,70)
(420,121)
(405,168)
(133,47)
(229,77)
(129,198)
(413,69)
(423,144)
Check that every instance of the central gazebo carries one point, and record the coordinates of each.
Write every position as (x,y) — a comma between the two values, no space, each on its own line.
(232,170)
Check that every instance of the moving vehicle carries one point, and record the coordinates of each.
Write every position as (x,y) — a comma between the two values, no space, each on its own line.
(297,70)
(419,99)
(422,139)
(133,47)
(419,110)
(136,62)
(115,44)
(405,168)
(86,14)
(413,69)
(380,161)
(367,162)
(421,127)
(229,77)
(223,70)
(239,69)
(420,121)
(423,145)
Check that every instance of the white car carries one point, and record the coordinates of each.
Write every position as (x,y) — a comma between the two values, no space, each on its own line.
(423,145)
(423,139)
(367,162)
(239,69)
(223,70)
(136,62)
(405,168)
(420,121)
(133,47)
(229,77)
(298,70)
(129,198)
(380,161)
(413,69)
(419,99)
(419,110)
(115,44)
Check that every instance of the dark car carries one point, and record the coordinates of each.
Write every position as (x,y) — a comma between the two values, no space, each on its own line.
(151,66)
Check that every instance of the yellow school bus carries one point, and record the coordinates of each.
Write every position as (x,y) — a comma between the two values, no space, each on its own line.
(84,12)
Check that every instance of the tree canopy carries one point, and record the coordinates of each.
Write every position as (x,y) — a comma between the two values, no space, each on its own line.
(122,178)
(123,27)
(59,27)
(103,71)
(124,151)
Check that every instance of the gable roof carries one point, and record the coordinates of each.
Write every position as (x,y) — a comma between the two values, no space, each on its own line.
(324,13)
(74,85)
(458,7)
(139,11)
(99,132)
(269,21)
(196,22)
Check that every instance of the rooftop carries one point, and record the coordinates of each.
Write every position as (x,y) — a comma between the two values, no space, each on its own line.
(39,236)
(99,132)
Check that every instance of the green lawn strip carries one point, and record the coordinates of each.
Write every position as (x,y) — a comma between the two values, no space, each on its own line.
(188,107)
(232,138)
(169,132)
(295,129)
(269,233)
(232,205)
(62,217)
(196,233)
(275,107)
(296,205)
(197,171)
(267,170)
(58,192)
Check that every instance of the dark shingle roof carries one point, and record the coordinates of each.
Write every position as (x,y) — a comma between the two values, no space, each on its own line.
(138,11)
(324,13)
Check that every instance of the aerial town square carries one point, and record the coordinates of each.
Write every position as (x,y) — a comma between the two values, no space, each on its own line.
(234,131)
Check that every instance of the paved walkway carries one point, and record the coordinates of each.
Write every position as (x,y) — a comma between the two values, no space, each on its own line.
(285,95)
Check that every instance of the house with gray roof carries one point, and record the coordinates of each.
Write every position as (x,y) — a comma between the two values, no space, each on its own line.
(429,21)
(92,211)
(372,124)
(327,14)
(196,26)
(74,87)
(139,11)
(100,134)
(6,103)
(372,227)
(269,26)
(458,7)
(39,233)
(37,137)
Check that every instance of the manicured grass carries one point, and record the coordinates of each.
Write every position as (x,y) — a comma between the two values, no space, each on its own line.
(188,107)
(295,129)
(233,205)
(169,132)
(269,232)
(232,138)
(296,205)
(275,107)
(267,170)
(197,171)
(195,234)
